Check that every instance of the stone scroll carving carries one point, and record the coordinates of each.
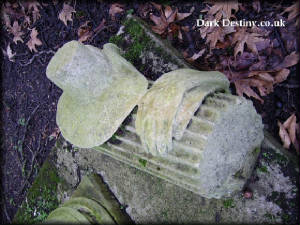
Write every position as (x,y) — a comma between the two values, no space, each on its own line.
(100,88)
(169,105)
(188,130)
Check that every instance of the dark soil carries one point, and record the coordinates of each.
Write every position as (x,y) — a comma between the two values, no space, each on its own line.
(28,101)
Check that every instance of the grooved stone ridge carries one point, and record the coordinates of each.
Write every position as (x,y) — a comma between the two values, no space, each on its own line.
(215,155)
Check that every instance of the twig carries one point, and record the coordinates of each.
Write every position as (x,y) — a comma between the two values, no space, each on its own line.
(26,125)
(278,37)
(33,154)
(289,85)
(98,29)
(35,55)
(27,122)
(6,213)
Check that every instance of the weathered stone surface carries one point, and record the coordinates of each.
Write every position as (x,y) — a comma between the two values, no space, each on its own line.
(166,109)
(100,89)
(150,199)
(91,203)
(214,157)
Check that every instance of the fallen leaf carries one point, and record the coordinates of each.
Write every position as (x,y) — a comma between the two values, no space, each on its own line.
(181,16)
(114,9)
(287,132)
(284,136)
(33,7)
(166,22)
(214,34)
(55,134)
(161,23)
(9,53)
(222,9)
(66,14)
(144,9)
(196,56)
(99,27)
(244,87)
(16,31)
(242,61)
(242,37)
(6,19)
(33,40)
(157,6)
(281,75)
(290,60)
(293,11)
(84,32)
(13,11)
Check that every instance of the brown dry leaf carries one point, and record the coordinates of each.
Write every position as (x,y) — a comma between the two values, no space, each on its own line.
(54,134)
(293,11)
(66,14)
(290,60)
(281,75)
(161,23)
(33,40)
(243,86)
(196,56)
(84,32)
(34,6)
(222,9)
(181,16)
(114,9)
(262,80)
(6,19)
(144,10)
(284,136)
(214,34)
(166,20)
(16,31)
(12,10)
(287,132)
(100,27)
(244,82)
(242,37)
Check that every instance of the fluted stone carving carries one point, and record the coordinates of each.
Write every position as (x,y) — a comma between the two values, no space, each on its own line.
(188,129)
(166,109)
(100,88)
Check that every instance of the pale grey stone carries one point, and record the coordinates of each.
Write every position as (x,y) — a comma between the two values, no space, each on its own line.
(100,89)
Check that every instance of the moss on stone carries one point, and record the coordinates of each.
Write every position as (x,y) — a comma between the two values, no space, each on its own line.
(134,41)
(143,162)
(263,169)
(41,198)
(116,39)
(228,203)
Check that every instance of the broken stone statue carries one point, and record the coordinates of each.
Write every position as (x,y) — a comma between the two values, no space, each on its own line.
(188,128)
(100,88)
(91,203)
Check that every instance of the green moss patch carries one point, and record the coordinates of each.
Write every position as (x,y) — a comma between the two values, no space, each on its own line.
(134,45)
(228,203)
(41,198)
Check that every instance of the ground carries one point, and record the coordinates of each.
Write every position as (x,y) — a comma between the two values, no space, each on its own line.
(29,99)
